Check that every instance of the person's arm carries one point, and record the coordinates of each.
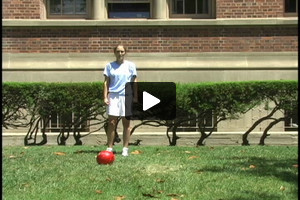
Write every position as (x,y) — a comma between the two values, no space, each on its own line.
(105,90)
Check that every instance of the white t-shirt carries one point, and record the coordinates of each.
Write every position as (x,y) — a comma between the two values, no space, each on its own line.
(119,75)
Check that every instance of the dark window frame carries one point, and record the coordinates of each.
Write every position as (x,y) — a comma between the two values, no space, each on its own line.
(109,2)
(193,123)
(209,15)
(68,16)
(291,122)
(290,14)
(55,123)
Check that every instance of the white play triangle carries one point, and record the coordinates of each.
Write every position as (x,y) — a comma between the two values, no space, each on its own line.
(149,101)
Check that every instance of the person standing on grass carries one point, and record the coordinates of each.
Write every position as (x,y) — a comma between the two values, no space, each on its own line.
(116,75)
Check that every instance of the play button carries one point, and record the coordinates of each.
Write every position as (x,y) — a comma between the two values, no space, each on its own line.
(149,101)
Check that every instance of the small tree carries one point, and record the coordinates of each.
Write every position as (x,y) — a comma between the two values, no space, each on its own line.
(284,96)
(226,100)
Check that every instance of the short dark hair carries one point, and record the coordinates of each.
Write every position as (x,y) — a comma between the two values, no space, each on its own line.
(115,48)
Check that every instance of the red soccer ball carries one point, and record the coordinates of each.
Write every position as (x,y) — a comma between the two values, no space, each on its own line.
(105,157)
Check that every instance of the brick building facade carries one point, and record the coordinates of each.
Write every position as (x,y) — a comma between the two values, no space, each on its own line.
(222,40)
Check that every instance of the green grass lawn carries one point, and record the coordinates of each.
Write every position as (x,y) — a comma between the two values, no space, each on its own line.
(155,172)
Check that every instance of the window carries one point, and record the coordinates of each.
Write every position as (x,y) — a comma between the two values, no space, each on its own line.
(191,9)
(291,7)
(129,9)
(67,8)
(57,122)
(194,122)
(190,125)
(291,122)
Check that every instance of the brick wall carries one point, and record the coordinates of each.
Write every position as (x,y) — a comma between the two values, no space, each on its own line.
(201,39)
(21,9)
(34,9)
(249,8)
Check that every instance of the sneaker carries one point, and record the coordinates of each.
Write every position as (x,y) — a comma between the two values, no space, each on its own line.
(125,151)
(111,150)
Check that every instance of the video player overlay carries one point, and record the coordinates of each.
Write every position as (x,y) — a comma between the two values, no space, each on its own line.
(155,100)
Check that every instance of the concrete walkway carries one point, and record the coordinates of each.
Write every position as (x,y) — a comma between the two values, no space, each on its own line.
(160,138)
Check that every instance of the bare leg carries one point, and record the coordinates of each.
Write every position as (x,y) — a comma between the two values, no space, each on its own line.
(112,122)
(126,131)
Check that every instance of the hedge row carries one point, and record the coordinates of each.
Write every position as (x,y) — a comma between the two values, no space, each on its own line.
(28,104)
(229,100)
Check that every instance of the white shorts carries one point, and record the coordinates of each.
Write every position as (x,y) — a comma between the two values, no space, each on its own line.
(117,105)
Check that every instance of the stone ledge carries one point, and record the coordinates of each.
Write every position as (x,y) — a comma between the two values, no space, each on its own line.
(186,139)
(152,22)
(150,61)
(155,133)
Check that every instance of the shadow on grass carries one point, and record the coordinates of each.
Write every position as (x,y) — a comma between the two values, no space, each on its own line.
(264,167)
(261,167)
(91,152)
(259,196)
(86,151)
